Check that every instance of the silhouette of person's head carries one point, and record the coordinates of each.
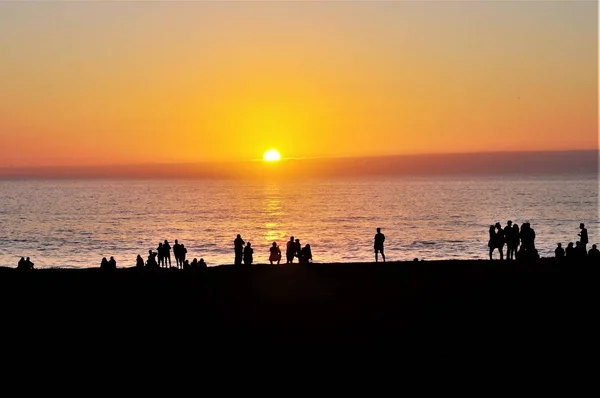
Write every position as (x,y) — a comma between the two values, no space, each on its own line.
(27,259)
(297,240)
(559,245)
(378,230)
(166,242)
(160,245)
(248,244)
(582,225)
(112,258)
(274,244)
(570,244)
(498,225)
(594,247)
(150,251)
(239,236)
(492,228)
(509,223)
(291,238)
(176,241)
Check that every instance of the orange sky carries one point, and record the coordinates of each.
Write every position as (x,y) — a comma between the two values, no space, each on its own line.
(139,82)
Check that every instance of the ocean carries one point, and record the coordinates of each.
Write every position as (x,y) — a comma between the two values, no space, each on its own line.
(74,223)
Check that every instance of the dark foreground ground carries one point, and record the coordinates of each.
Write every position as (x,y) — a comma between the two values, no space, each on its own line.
(441,306)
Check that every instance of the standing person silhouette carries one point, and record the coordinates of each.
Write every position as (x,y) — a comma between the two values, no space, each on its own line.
(238,245)
(290,250)
(378,244)
(182,254)
(167,252)
(161,255)
(177,253)
(584,236)
(500,240)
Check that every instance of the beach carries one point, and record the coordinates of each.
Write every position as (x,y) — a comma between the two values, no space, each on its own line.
(445,304)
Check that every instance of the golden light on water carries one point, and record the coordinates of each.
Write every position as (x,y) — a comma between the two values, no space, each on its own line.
(272,156)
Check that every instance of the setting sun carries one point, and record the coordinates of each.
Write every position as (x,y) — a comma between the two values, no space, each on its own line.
(271,156)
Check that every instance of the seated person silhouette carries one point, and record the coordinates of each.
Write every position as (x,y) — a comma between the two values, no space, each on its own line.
(248,254)
(104,263)
(194,264)
(201,263)
(306,255)
(275,253)
(186,264)
(570,252)
(28,263)
(151,262)
(594,254)
(559,252)
(112,264)
(139,262)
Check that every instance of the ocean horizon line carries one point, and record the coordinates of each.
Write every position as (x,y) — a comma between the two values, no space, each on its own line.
(472,163)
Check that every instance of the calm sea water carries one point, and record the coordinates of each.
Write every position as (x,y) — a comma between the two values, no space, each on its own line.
(74,223)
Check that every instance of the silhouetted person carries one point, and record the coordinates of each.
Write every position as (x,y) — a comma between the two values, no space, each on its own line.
(290,250)
(104,263)
(584,236)
(509,239)
(167,252)
(186,265)
(112,264)
(238,245)
(201,263)
(177,253)
(182,254)
(559,252)
(499,243)
(594,255)
(275,253)
(28,263)
(570,252)
(151,261)
(306,255)
(139,262)
(194,264)
(21,263)
(515,239)
(248,254)
(161,254)
(378,245)
(297,249)
(492,240)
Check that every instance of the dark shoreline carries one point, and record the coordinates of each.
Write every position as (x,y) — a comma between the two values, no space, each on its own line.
(444,302)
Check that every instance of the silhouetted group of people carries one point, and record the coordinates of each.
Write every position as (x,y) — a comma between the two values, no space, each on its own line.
(108,264)
(245,253)
(25,264)
(162,258)
(294,249)
(579,250)
(520,243)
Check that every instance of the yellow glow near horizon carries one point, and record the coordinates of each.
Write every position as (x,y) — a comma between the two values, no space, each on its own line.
(272,156)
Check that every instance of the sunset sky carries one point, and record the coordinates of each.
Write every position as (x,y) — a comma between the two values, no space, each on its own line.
(97,83)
